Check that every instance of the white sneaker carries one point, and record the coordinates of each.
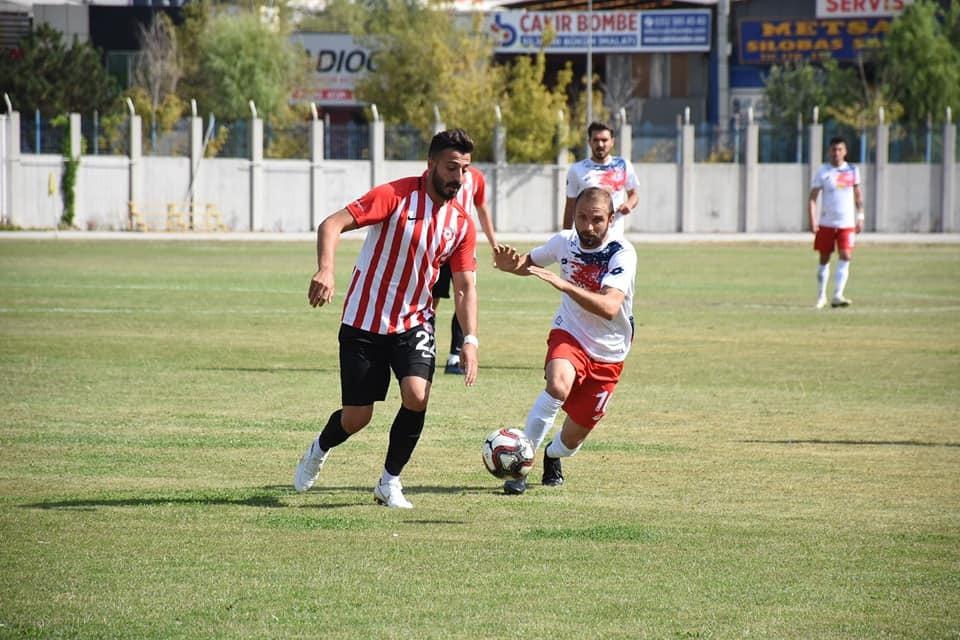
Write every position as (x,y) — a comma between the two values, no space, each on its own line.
(821,303)
(309,468)
(840,301)
(390,494)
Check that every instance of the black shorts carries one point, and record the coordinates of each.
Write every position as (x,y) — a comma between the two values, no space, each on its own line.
(367,358)
(442,288)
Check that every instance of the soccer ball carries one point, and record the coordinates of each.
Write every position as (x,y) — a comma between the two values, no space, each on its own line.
(507,453)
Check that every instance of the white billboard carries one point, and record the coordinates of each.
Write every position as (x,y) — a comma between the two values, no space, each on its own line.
(338,62)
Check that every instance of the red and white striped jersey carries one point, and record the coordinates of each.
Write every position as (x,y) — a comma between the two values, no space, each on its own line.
(473,191)
(408,238)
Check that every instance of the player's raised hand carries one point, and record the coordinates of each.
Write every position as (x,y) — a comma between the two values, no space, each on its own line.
(321,289)
(506,258)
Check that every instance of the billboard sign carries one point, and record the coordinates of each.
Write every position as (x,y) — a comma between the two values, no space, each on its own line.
(860,8)
(601,31)
(338,62)
(780,40)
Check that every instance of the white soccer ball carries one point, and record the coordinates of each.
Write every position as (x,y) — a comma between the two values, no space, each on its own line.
(507,453)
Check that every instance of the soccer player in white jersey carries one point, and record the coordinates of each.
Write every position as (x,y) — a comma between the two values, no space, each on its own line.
(842,200)
(592,330)
(613,173)
(473,198)
(414,225)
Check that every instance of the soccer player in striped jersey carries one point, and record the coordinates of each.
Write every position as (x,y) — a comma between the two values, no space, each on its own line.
(413,226)
(473,198)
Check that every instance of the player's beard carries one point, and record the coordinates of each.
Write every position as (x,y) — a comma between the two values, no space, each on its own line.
(590,240)
(446,190)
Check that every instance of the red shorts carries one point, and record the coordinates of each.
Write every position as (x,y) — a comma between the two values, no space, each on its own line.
(594,384)
(828,237)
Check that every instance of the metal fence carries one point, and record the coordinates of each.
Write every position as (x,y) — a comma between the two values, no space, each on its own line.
(351,141)
(404,142)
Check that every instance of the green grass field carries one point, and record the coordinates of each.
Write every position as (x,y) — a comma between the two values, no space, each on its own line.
(765,470)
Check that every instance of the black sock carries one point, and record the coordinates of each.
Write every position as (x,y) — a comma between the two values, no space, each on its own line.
(404,434)
(456,336)
(333,433)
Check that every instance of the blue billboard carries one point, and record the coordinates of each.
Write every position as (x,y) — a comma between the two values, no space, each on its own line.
(780,40)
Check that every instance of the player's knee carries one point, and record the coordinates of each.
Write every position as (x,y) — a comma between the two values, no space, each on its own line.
(558,388)
(355,418)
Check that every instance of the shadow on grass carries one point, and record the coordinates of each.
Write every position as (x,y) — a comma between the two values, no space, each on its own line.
(868,443)
(269,497)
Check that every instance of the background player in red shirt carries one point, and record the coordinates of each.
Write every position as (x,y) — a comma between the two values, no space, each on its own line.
(413,226)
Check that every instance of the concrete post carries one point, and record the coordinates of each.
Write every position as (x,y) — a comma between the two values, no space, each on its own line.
(685,222)
(135,176)
(560,174)
(4,209)
(949,218)
(76,151)
(377,151)
(317,194)
(256,174)
(196,157)
(500,165)
(881,221)
(12,165)
(625,144)
(751,176)
(814,160)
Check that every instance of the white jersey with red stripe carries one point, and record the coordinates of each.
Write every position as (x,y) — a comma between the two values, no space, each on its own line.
(408,238)
(838,206)
(612,264)
(616,176)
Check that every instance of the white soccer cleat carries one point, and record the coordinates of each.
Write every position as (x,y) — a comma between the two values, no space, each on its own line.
(390,494)
(840,301)
(821,303)
(309,468)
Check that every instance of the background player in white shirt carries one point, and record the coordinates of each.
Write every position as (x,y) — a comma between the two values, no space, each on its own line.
(592,330)
(842,199)
(613,173)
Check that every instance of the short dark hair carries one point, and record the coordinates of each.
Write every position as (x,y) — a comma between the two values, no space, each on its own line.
(595,194)
(838,140)
(456,139)
(598,126)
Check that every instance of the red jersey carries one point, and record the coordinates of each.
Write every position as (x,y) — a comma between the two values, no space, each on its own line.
(473,191)
(409,237)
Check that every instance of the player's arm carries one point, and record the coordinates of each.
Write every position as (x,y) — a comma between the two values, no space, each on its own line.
(486,223)
(605,303)
(632,199)
(812,208)
(568,213)
(328,237)
(858,203)
(465,303)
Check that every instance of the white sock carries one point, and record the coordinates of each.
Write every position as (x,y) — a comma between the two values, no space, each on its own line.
(386,477)
(823,274)
(843,272)
(556,448)
(540,419)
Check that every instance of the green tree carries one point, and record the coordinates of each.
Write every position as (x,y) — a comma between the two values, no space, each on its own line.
(534,115)
(44,73)
(240,58)
(425,58)
(921,59)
